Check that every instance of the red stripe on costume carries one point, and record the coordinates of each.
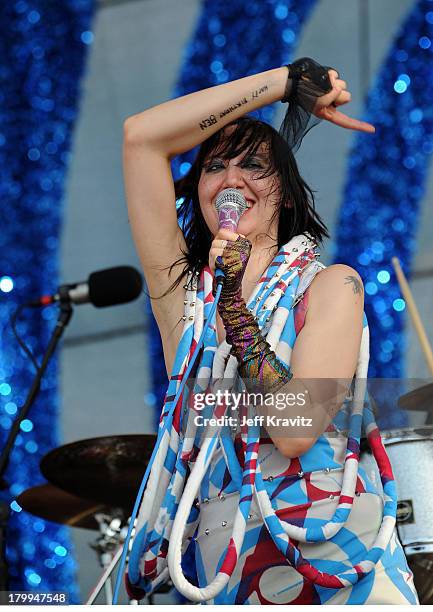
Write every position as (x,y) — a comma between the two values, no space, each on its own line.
(352,456)
(379,452)
(360,488)
(149,569)
(193,347)
(313,574)
(298,513)
(301,312)
(294,468)
(314,493)
(209,298)
(230,560)
(133,591)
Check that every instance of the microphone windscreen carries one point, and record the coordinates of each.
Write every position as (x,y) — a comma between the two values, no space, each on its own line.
(114,286)
(230,205)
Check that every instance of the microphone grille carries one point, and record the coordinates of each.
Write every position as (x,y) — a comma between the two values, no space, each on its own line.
(113,286)
(231,196)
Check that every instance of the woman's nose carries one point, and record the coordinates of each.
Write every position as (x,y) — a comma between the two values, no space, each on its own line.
(234,177)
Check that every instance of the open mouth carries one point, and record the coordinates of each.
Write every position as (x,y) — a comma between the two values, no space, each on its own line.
(250,204)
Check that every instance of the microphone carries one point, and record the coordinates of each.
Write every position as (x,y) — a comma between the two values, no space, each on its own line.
(107,287)
(230,205)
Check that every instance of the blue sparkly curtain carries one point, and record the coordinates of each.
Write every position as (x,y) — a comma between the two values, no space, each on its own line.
(385,184)
(42,52)
(231,40)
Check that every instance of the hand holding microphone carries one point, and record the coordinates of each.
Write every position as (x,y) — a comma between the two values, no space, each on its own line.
(258,364)
(230,252)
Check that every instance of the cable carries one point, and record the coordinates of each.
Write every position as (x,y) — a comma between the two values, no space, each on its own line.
(220,280)
(21,342)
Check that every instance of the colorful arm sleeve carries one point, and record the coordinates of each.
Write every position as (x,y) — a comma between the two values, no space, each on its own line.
(258,364)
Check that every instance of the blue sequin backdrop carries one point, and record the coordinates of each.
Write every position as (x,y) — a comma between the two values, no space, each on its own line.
(231,40)
(385,184)
(42,53)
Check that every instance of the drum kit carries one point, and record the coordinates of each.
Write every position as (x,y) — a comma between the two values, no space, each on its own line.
(93,484)
(410,451)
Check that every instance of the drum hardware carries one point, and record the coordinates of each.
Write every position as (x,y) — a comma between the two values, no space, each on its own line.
(54,504)
(422,567)
(410,451)
(107,469)
(112,539)
(109,547)
(418,399)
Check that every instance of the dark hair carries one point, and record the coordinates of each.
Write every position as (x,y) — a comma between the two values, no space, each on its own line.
(295,209)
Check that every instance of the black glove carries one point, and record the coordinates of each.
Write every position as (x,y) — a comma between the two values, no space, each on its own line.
(307,81)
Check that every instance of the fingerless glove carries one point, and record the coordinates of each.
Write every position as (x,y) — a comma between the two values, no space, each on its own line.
(307,80)
(258,364)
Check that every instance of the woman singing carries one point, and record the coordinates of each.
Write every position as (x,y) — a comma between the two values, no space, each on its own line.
(271,514)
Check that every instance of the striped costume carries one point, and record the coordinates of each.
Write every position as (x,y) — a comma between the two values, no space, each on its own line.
(267,529)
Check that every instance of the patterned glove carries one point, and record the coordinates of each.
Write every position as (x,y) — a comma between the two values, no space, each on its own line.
(258,365)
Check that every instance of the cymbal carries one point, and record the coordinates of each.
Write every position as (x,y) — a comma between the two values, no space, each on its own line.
(107,469)
(53,504)
(418,399)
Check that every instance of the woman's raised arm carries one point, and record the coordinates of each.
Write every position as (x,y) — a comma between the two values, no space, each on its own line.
(178,125)
(151,139)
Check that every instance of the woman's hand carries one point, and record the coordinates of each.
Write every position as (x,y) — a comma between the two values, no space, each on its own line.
(219,243)
(326,106)
(230,253)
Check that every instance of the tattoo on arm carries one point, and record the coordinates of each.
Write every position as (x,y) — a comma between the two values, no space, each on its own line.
(257,92)
(356,285)
(211,120)
(230,109)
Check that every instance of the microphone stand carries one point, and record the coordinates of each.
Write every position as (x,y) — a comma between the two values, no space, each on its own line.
(63,319)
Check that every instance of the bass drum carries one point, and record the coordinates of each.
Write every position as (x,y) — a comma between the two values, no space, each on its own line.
(410,451)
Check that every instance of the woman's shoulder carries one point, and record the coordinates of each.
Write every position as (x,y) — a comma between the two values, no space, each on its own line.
(337,283)
(338,274)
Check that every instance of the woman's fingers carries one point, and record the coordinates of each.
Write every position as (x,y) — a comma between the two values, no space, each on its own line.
(338,118)
(336,81)
(219,243)
(338,94)
(333,75)
(336,97)
(327,99)
(340,84)
(326,106)
(225,234)
(217,249)
(343,98)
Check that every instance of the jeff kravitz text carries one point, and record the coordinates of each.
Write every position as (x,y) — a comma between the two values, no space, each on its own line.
(232,401)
